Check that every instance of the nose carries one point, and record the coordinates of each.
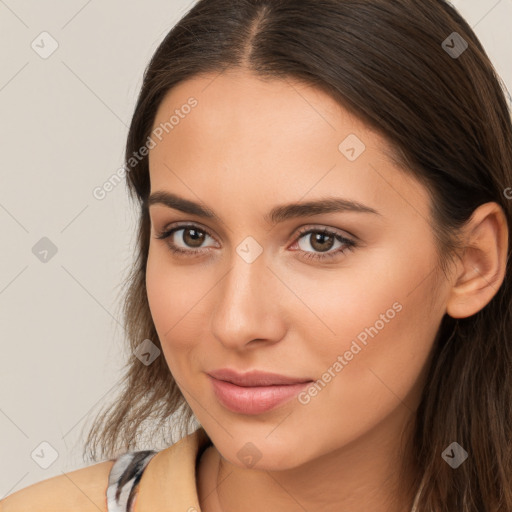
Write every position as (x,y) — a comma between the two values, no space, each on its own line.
(249,302)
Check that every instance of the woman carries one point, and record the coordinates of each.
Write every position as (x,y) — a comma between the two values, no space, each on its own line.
(322,275)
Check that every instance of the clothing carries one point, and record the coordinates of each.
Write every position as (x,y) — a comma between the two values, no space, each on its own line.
(175,465)
(124,479)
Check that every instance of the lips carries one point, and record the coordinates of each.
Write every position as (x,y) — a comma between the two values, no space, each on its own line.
(254,392)
(255,378)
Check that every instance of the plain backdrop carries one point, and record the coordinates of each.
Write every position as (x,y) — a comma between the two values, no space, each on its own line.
(63,123)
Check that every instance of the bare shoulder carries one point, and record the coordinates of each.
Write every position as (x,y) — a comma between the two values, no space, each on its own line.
(82,490)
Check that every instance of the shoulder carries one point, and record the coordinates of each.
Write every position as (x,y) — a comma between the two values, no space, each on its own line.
(82,490)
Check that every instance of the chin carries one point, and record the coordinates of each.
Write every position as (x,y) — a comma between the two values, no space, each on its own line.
(262,454)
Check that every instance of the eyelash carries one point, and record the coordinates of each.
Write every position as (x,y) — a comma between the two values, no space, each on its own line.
(349,245)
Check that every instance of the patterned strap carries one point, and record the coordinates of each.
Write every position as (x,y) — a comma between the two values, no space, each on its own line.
(124,478)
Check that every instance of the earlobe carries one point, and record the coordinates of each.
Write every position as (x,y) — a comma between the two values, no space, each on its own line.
(483,262)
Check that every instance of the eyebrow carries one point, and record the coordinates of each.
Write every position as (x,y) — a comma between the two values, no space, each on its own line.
(278,214)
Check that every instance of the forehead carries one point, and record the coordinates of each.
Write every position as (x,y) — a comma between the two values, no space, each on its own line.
(268,141)
(241,103)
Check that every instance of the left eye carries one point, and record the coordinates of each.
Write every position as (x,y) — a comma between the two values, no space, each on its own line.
(322,241)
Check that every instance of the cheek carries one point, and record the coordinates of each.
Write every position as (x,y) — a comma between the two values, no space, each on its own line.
(175,303)
(380,306)
(158,292)
(381,335)
(359,385)
(164,300)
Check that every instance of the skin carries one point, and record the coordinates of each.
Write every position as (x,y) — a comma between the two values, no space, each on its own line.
(246,147)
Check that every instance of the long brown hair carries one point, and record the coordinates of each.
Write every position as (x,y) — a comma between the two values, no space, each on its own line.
(447,120)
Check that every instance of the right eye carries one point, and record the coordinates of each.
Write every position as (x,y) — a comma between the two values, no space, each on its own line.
(191,236)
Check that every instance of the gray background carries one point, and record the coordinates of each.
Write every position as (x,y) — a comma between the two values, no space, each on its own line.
(63,125)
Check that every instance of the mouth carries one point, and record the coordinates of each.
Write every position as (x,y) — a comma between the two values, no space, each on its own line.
(254,399)
(255,378)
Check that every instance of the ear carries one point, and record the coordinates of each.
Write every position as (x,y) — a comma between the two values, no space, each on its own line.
(483,262)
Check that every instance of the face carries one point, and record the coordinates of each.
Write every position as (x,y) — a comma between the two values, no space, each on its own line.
(352,309)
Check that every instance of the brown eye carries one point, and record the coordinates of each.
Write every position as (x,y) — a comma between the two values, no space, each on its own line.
(321,241)
(188,240)
(193,237)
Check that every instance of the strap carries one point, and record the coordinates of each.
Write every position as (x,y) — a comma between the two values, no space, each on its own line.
(124,478)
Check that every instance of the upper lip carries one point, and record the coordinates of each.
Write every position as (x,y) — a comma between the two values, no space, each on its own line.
(254,378)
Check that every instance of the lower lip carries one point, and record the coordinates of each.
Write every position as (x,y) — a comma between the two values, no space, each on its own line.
(255,399)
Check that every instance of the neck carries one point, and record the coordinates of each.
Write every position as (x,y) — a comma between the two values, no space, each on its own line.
(362,475)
